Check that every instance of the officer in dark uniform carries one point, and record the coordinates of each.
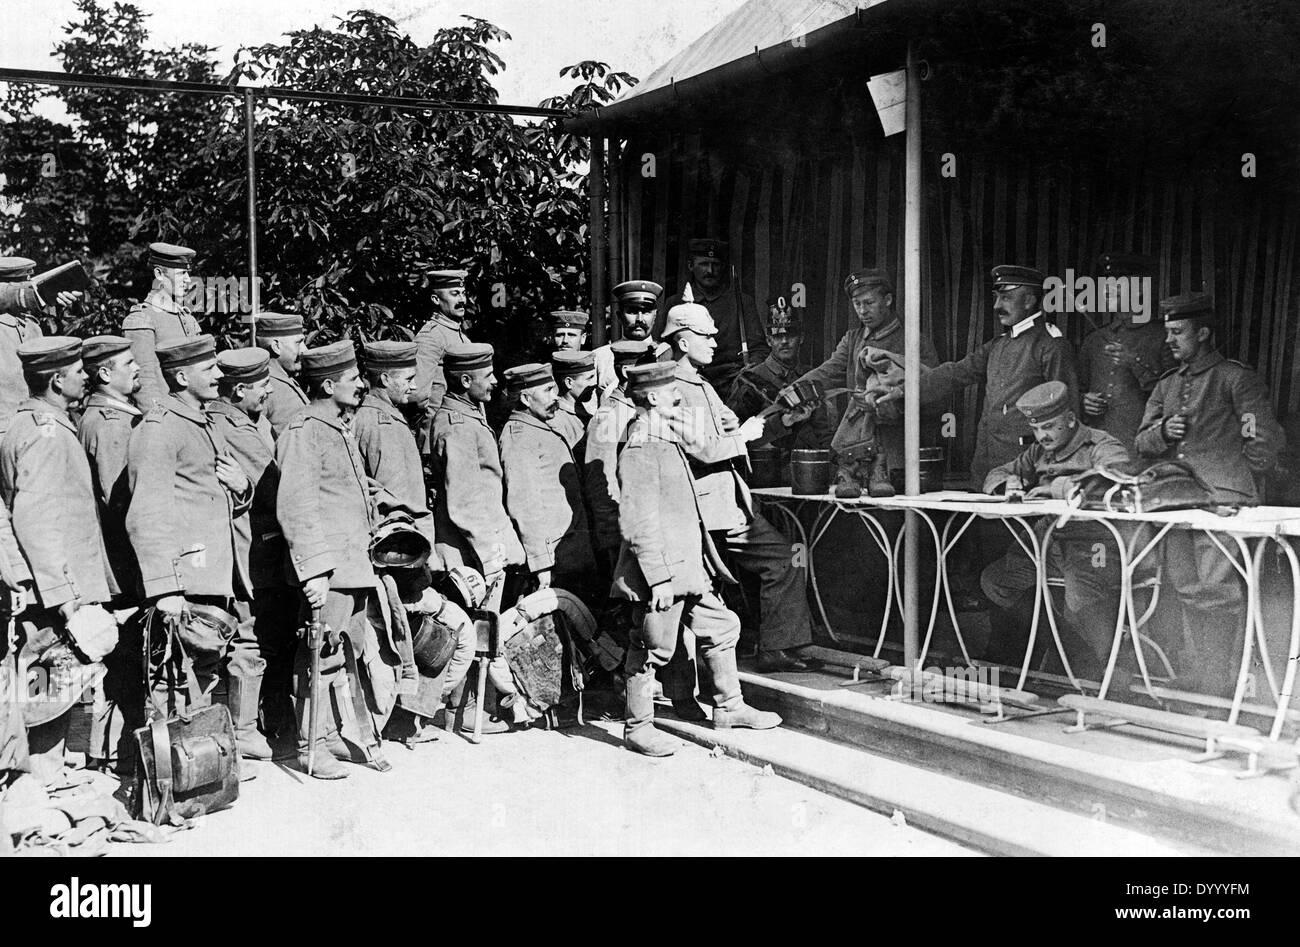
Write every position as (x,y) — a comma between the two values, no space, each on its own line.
(1029,351)
(758,386)
(569,330)
(1121,360)
(1062,449)
(281,334)
(161,318)
(713,285)
(637,304)
(1214,413)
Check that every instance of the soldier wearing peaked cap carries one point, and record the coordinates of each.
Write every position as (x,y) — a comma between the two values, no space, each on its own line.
(605,437)
(45,483)
(637,303)
(384,434)
(445,328)
(1029,351)
(282,336)
(716,443)
(1062,449)
(161,318)
(668,568)
(758,386)
(1121,360)
(568,330)
(327,514)
(107,420)
(575,377)
(186,492)
(1215,414)
(470,518)
(258,669)
(543,484)
(713,285)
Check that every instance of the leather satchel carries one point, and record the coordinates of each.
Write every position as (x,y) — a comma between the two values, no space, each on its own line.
(187,763)
(1165,485)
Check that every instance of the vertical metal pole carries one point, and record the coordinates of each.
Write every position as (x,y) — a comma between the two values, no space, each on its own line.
(250,163)
(596,191)
(912,358)
(617,273)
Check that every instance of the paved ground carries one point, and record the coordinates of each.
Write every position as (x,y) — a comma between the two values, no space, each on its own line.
(543,793)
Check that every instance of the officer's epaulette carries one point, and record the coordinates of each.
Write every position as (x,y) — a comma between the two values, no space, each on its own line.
(1233,361)
(136,319)
(1053,329)
(1171,371)
(43,418)
(298,421)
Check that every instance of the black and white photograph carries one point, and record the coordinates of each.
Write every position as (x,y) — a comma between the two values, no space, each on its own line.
(643,428)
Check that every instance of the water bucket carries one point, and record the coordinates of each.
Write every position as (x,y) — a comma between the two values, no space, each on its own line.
(765,466)
(810,472)
(931,471)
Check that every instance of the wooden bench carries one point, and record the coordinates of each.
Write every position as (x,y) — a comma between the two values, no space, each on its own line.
(1213,732)
(1274,754)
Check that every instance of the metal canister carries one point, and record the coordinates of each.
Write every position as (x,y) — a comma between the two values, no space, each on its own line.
(932,465)
(765,466)
(810,472)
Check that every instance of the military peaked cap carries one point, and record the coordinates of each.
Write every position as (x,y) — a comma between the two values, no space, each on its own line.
(189,351)
(245,365)
(15,269)
(385,356)
(467,357)
(49,353)
(99,347)
(170,255)
(329,360)
(1044,402)
(278,325)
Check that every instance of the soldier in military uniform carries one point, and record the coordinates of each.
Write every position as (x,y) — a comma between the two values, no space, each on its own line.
(446,328)
(186,492)
(46,485)
(757,387)
(1214,413)
(385,438)
(717,448)
(669,568)
(575,375)
(871,293)
(1029,352)
(1120,361)
(327,514)
(1063,448)
(258,666)
(740,327)
(637,303)
(605,438)
(107,420)
(161,318)
(569,330)
(281,334)
(20,310)
(543,483)
(470,518)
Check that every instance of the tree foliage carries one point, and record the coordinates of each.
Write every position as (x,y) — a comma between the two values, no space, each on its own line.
(356,204)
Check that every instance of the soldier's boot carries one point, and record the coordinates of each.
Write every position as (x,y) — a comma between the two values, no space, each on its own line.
(330,747)
(731,711)
(878,484)
(847,486)
(688,709)
(243,693)
(639,733)
(278,721)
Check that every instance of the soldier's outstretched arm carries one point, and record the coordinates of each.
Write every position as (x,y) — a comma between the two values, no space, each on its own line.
(947,379)
(833,373)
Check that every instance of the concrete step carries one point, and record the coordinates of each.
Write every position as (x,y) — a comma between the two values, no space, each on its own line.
(984,819)
(1137,780)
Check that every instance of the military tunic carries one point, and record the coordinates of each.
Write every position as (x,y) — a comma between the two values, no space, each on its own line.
(46,484)
(1030,353)
(544,497)
(105,433)
(15,329)
(570,426)
(258,538)
(756,388)
(431,343)
(737,320)
(845,368)
(1125,387)
(148,326)
(324,505)
(605,438)
(181,518)
(1219,398)
(469,513)
(285,401)
(392,459)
